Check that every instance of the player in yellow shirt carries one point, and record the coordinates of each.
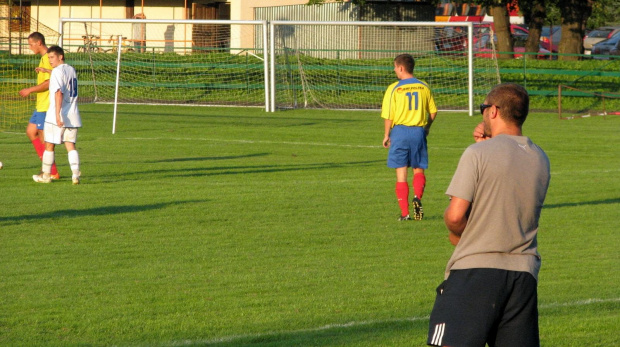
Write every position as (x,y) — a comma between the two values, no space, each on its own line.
(34,131)
(408,111)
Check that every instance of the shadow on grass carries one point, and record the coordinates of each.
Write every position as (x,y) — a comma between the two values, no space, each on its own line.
(408,332)
(96,211)
(584,203)
(235,170)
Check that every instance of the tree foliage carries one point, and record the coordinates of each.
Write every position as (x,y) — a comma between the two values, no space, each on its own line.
(604,12)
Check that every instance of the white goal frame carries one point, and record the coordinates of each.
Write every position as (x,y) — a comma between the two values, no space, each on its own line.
(268,40)
(264,42)
(272,50)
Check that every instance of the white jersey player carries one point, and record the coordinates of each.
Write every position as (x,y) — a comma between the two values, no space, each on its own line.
(63,117)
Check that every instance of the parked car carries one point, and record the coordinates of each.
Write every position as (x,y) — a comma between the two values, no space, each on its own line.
(598,35)
(602,50)
(614,53)
(484,49)
(518,32)
(450,40)
(550,37)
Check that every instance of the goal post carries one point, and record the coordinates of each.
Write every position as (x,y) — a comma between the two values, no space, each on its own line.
(175,62)
(348,65)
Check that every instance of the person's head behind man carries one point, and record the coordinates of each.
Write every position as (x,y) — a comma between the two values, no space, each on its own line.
(36,42)
(512,100)
(56,55)
(404,65)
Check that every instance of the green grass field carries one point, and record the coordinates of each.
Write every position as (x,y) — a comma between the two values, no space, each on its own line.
(236,227)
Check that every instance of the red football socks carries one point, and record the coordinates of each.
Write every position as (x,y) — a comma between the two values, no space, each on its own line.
(419,182)
(402,194)
(39,147)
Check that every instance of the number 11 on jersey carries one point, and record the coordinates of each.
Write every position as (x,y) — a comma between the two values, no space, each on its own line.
(414,96)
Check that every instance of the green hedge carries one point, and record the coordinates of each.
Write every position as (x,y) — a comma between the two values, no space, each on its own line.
(154,73)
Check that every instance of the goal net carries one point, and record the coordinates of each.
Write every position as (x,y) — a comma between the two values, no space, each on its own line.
(16,73)
(348,65)
(186,62)
(17,64)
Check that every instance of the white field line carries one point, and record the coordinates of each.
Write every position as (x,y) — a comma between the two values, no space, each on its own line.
(583,172)
(578,303)
(325,144)
(298,331)
(233,338)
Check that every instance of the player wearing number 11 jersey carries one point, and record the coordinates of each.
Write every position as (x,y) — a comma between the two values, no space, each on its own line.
(408,111)
(63,117)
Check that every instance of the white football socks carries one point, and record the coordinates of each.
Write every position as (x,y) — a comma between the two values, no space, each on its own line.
(48,161)
(74,162)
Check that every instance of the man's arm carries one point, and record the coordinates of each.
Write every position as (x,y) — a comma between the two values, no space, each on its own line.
(431,119)
(42,70)
(58,97)
(455,217)
(35,89)
(386,134)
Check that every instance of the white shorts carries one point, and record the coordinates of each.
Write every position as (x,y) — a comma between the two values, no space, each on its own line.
(57,135)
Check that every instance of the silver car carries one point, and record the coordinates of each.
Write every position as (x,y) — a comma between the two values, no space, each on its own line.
(598,35)
(602,49)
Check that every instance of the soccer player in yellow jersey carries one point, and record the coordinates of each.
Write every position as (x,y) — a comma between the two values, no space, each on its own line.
(34,131)
(408,111)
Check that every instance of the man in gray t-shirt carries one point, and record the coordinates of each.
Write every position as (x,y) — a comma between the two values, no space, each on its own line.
(489,294)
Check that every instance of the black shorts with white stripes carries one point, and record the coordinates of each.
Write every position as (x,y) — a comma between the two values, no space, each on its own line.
(475,307)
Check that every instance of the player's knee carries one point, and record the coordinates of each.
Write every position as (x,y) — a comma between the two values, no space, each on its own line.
(32,132)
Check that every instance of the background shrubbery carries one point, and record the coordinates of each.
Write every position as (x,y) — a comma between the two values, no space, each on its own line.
(226,78)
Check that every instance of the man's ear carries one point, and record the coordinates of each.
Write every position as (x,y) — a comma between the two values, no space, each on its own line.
(494,112)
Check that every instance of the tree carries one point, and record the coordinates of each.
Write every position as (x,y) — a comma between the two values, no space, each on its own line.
(575,14)
(534,14)
(573,17)
(501,22)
